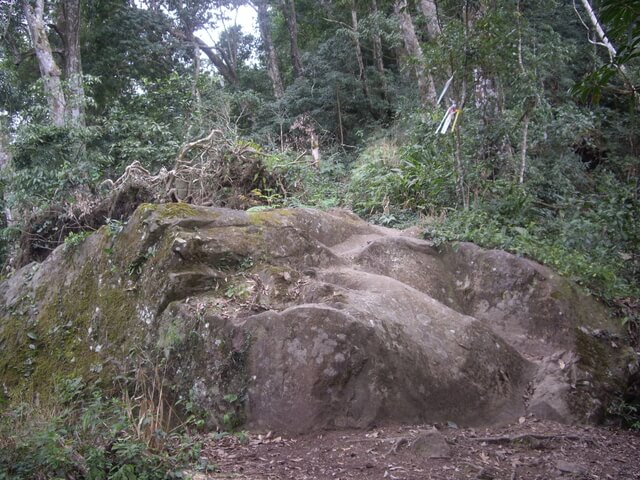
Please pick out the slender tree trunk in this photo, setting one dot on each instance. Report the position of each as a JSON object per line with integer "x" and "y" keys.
{"x": 315, "y": 148}
{"x": 5, "y": 153}
{"x": 523, "y": 148}
{"x": 229, "y": 53}
{"x": 379, "y": 60}
{"x": 519, "y": 16}
{"x": 289, "y": 12}
{"x": 193, "y": 116}
{"x": 339, "y": 107}
{"x": 461, "y": 180}
{"x": 430, "y": 12}
{"x": 598, "y": 28}
{"x": 426, "y": 84}
{"x": 485, "y": 95}
{"x": 49, "y": 71}
{"x": 461, "y": 188}
{"x": 362, "y": 74}
{"x": 613, "y": 53}
{"x": 377, "y": 43}
{"x": 269, "y": 49}
{"x": 526, "y": 117}
{"x": 196, "y": 77}
{"x": 5, "y": 158}
{"x": 356, "y": 41}
{"x": 69, "y": 26}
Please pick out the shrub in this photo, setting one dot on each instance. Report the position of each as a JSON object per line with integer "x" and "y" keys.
{"x": 82, "y": 434}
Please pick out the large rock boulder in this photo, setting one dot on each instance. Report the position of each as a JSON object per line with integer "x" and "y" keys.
{"x": 299, "y": 319}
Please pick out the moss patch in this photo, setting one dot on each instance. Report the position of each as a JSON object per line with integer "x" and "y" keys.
{"x": 72, "y": 331}
{"x": 169, "y": 210}
{"x": 270, "y": 217}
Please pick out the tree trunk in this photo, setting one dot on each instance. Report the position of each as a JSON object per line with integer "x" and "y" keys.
{"x": 379, "y": 61}
{"x": 5, "y": 153}
{"x": 377, "y": 43}
{"x": 49, "y": 71}
{"x": 5, "y": 158}
{"x": 193, "y": 116}
{"x": 227, "y": 71}
{"x": 289, "y": 12}
{"x": 69, "y": 26}
{"x": 269, "y": 50}
{"x": 611, "y": 49}
{"x": 519, "y": 23}
{"x": 430, "y": 12}
{"x": 523, "y": 148}
{"x": 426, "y": 85}
{"x": 362, "y": 74}
{"x": 596, "y": 25}
{"x": 339, "y": 107}
{"x": 315, "y": 148}
{"x": 485, "y": 95}
{"x": 461, "y": 188}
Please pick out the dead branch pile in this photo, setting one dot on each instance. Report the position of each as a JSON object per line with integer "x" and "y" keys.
{"x": 212, "y": 171}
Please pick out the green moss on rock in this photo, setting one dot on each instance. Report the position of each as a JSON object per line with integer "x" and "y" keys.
{"x": 270, "y": 217}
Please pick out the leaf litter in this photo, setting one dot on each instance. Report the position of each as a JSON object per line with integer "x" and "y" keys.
{"x": 531, "y": 450}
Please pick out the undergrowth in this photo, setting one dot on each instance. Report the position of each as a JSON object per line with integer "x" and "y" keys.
{"x": 86, "y": 433}
{"x": 598, "y": 268}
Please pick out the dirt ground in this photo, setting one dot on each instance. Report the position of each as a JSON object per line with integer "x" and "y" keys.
{"x": 529, "y": 449}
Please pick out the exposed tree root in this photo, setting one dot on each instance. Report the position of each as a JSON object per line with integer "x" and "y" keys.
{"x": 211, "y": 171}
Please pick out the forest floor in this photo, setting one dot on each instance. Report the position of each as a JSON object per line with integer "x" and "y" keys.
{"x": 529, "y": 449}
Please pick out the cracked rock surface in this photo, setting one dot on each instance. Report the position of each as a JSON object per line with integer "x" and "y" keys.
{"x": 299, "y": 320}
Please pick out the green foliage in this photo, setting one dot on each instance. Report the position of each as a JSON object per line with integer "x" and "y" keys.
{"x": 236, "y": 291}
{"x": 128, "y": 45}
{"x": 8, "y": 237}
{"x": 114, "y": 227}
{"x": 620, "y": 19}
{"x": 49, "y": 163}
{"x": 418, "y": 177}
{"x": 588, "y": 241}
{"x": 373, "y": 184}
{"x": 627, "y": 413}
{"x": 232, "y": 419}
{"x": 85, "y": 434}
{"x": 308, "y": 185}
{"x": 75, "y": 238}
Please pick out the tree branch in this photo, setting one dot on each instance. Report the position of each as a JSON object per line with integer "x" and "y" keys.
{"x": 227, "y": 71}
{"x": 610, "y": 48}
{"x": 596, "y": 25}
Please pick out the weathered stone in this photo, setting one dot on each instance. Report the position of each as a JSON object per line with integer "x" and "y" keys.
{"x": 571, "y": 468}
{"x": 430, "y": 444}
{"x": 299, "y": 319}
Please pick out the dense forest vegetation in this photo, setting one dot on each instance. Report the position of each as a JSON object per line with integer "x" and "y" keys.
{"x": 507, "y": 123}
{"x": 511, "y": 124}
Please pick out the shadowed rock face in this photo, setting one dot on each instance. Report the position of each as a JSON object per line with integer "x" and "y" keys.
{"x": 298, "y": 319}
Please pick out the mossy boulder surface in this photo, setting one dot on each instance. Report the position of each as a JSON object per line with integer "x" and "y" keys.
{"x": 299, "y": 319}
